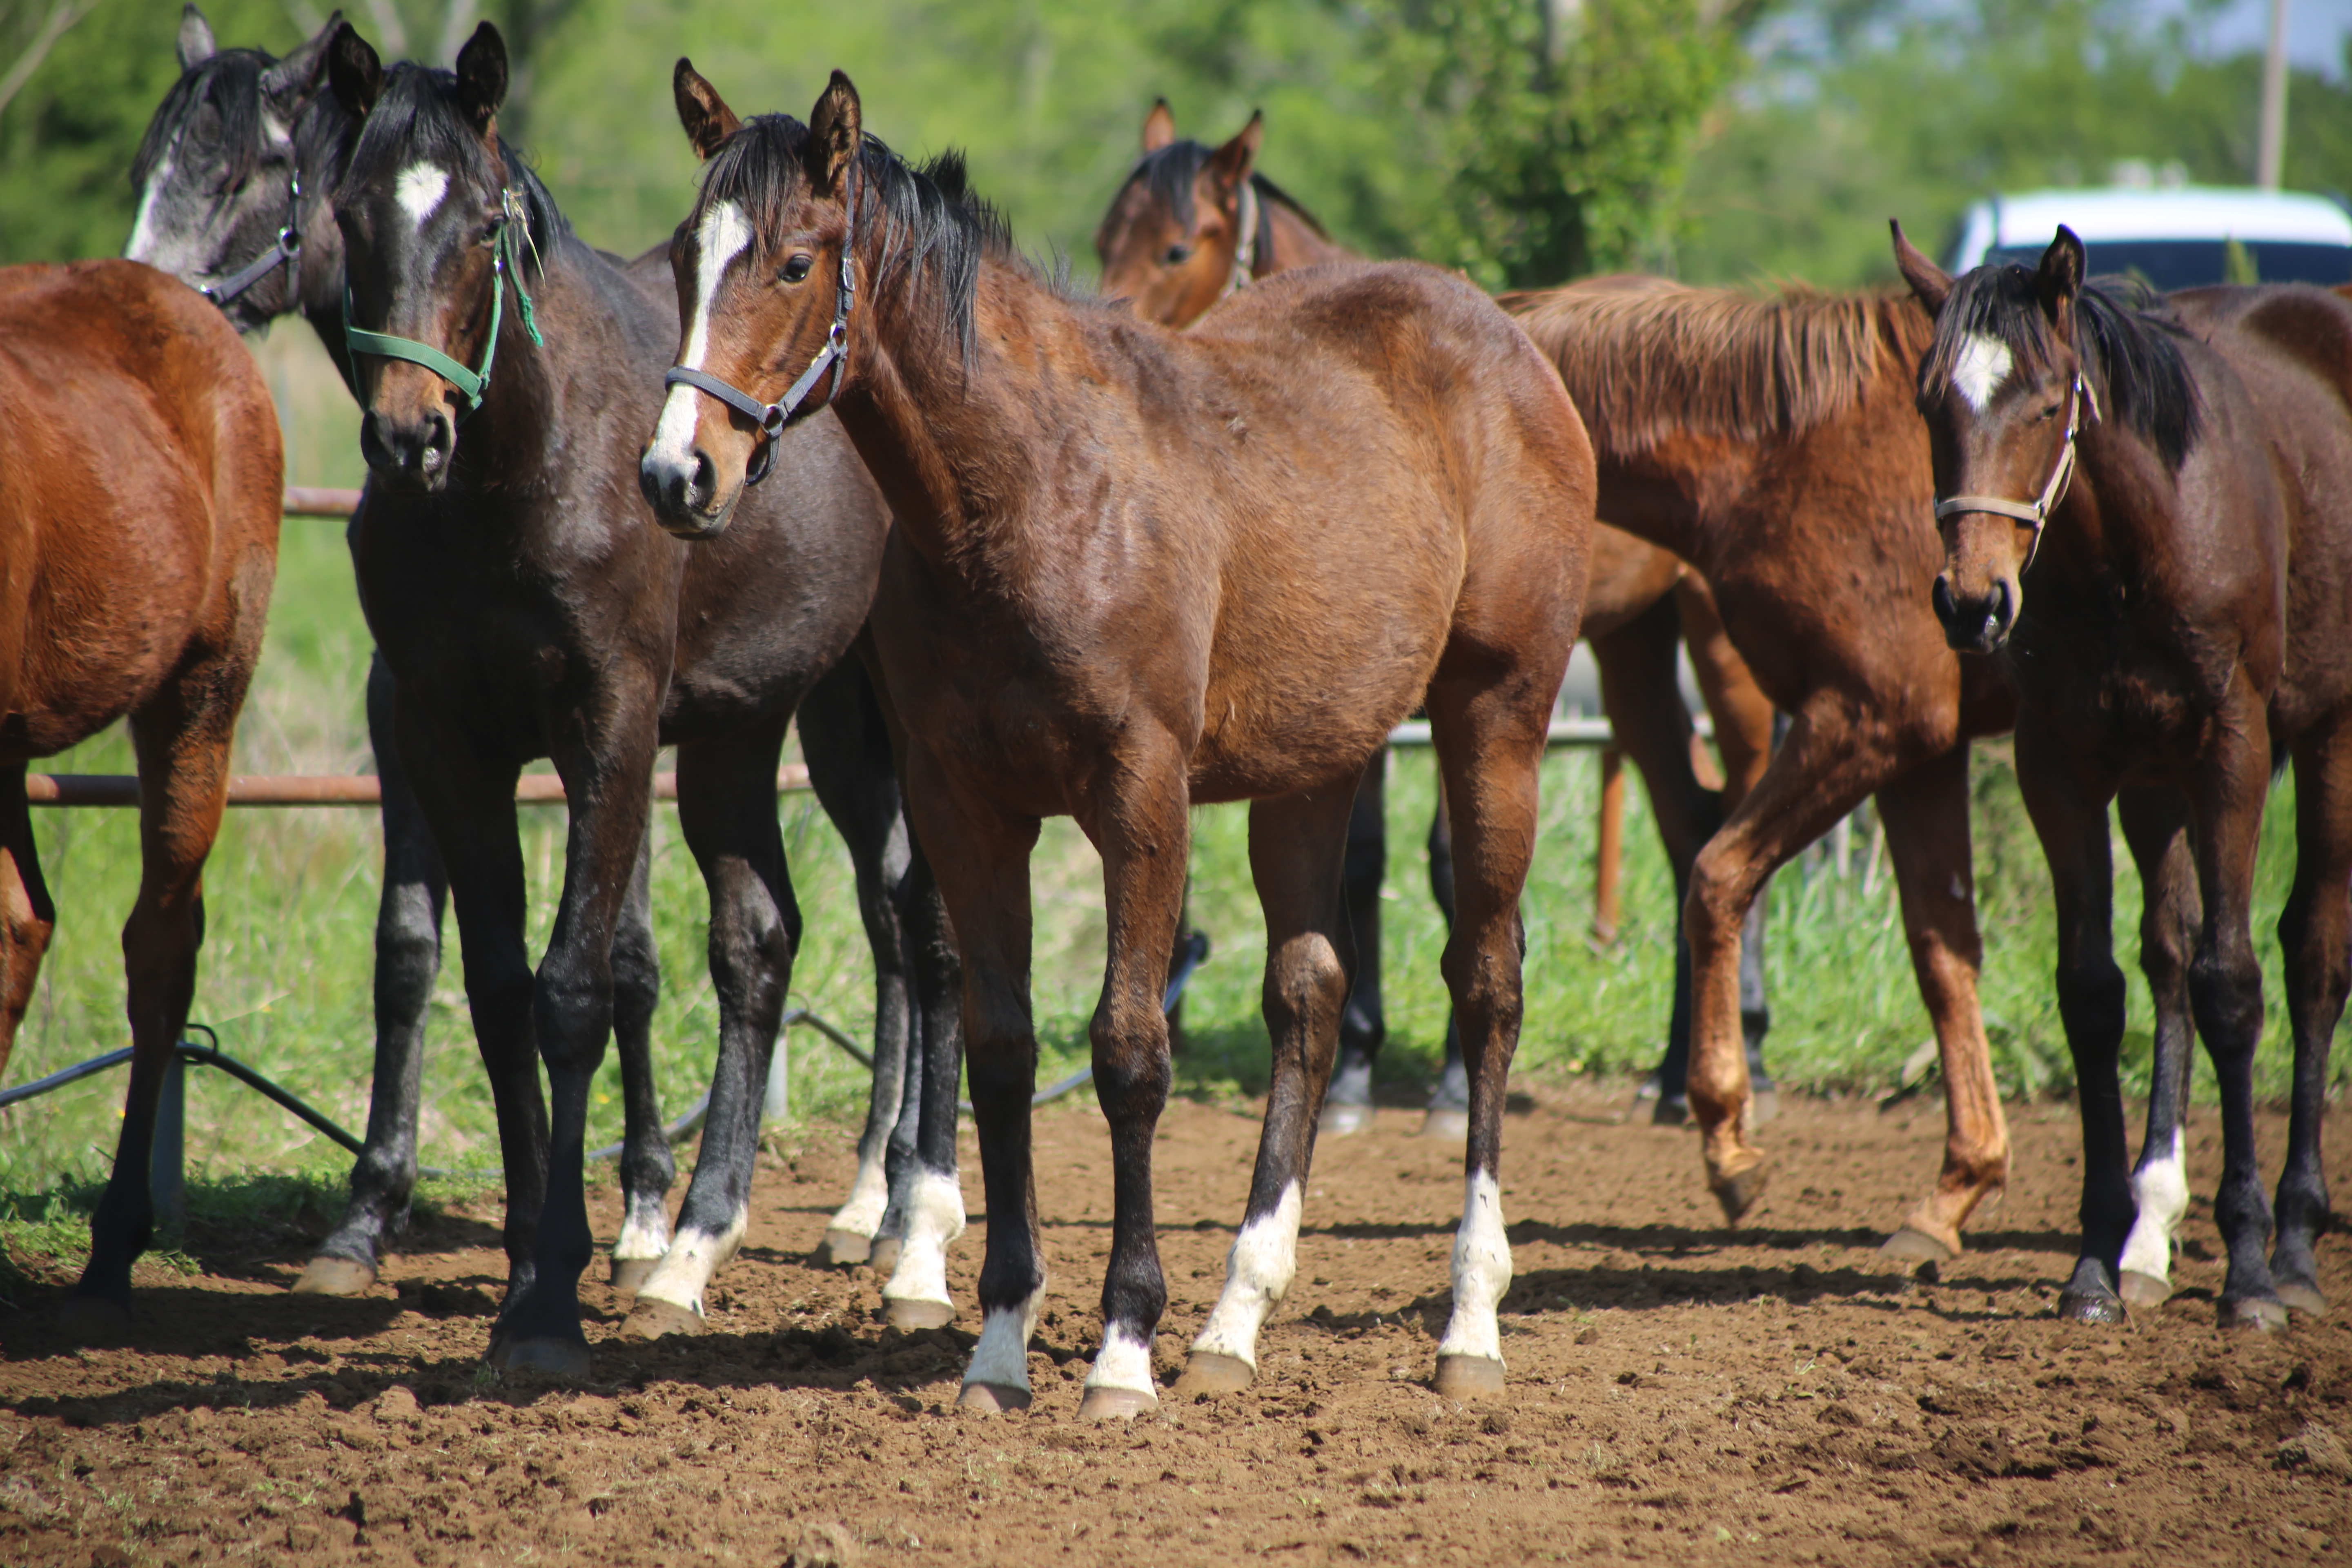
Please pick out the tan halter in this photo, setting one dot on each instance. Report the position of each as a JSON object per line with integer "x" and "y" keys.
{"x": 2036, "y": 512}
{"x": 1245, "y": 243}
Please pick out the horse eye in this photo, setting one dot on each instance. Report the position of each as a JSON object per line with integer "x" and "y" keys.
{"x": 797, "y": 267}
{"x": 1177, "y": 255}
{"x": 2048, "y": 414}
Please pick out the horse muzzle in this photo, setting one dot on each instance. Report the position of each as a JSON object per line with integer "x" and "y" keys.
{"x": 411, "y": 453}
{"x": 1978, "y": 623}
{"x": 684, "y": 493}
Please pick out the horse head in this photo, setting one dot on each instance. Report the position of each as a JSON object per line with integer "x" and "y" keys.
{"x": 1177, "y": 236}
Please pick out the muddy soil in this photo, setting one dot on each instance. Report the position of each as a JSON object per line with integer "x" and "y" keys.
{"x": 1676, "y": 1390}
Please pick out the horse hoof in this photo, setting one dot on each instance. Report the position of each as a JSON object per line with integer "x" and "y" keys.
{"x": 1339, "y": 1120}
{"x": 95, "y": 1320}
{"x": 2143, "y": 1292}
{"x": 910, "y": 1313}
{"x": 1468, "y": 1377}
{"x": 2099, "y": 1307}
{"x": 1116, "y": 1404}
{"x": 1208, "y": 1371}
{"x": 1737, "y": 1192}
{"x": 1763, "y": 1105}
{"x": 842, "y": 1249}
{"x": 993, "y": 1397}
{"x": 566, "y": 1359}
{"x": 651, "y": 1318}
{"x": 328, "y": 1275}
{"x": 2259, "y": 1314}
{"x": 1672, "y": 1110}
{"x": 1916, "y": 1245}
{"x": 1445, "y": 1124}
{"x": 884, "y": 1255}
{"x": 630, "y": 1274}
{"x": 2302, "y": 1296}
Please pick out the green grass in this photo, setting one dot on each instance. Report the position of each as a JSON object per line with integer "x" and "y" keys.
{"x": 291, "y": 895}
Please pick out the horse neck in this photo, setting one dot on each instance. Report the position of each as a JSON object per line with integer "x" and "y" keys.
{"x": 1294, "y": 241}
{"x": 510, "y": 432}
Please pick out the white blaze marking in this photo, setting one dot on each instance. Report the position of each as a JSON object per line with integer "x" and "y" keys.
{"x": 143, "y": 238}
{"x": 1982, "y": 366}
{"x": 868, "y": 1195}
{"x": 1258, "y": 1272}
{"x": 419, "y": 191}
{"x": 1482, "y": 1272}
{"x": 1124, "y": 1362}
{"x": 1002, "y": 1356}
{"x": 721, "y": 238}
{"x": 2161, "y": 1187}
{"x": 685, "y": 1270}
{"x": 645, "y": 1231}
{"x": 934, "y": 1219}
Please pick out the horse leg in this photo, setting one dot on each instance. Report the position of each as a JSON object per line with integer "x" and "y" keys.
{"x": 2225, "y": 992}
{"x": 181, "y": 740}
{"x": 407, "y": 961}
{"x": 647, "y": 1166}
{"x": 2155, "y": 827}
{"x": 855, "y": 778}
{"x": 916, "y": 1295}
{"x": 1448, "y": 1116}
{"x": 1926, "y": 816}
{"x": 727, "y": 808}
{"x": 27, "y": 917}
{"x": 1348, "y": 1108}
{"x": 2070, "y": 817}
{"x": 2311, "y": 931}
{"x": 1297, "y": 844}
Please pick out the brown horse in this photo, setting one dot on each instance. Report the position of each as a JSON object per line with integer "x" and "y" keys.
{"x": 139, "y": 487}
{"x": 1111, "y": 593}
{"x": 1772, "y": 443}
{"x": 2176, "y": 480}
{"x": 1188, "y": 227}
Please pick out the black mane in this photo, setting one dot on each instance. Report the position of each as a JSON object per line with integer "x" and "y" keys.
{"x": 1170, "y": 173}
{"x": 417, "y": 116}
{"x": 933, "y": 224}
{"x": 230, "y": 80}
{"x": 2130, "y": 350}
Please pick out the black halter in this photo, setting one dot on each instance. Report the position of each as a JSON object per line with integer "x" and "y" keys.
{"x": 771, "y": 417}
{"x": 285, "y": 251}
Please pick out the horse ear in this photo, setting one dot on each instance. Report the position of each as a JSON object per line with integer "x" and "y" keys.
{"x": 482, "y": 79}
{"x": 196, "y": 44}
{"x": 708, "y": 120}
{"x": 835, "y": 133}
{"x": 297, "y": 74}
{"x": 1237, "y": 158}
{"x": 1158, "y": 126}
{"x": 1928, "y": 280}
{"x": 2060, "y": 275}
{"x": 354, "y": 71}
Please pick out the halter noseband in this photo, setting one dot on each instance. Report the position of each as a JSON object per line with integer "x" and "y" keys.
{"x": 474, "y": 383}
{"x": 2037, "y": 511}
{"x": 284, "y": 251}
{"x": 771, "y": 417}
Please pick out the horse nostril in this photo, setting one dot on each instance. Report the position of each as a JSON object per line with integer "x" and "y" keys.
{"x": 1941, "y": 595}
{"x": 2004, "y": 605}
{"x": 706, "y": 479}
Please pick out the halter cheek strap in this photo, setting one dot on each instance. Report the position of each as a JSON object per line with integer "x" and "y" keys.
{"x": 284, "y": 251}
{"x": 771, "y": 417}
{"x": 1245, "y": 249}
{"x": 2036, "y": 512}
{"x": 506, "y": 263}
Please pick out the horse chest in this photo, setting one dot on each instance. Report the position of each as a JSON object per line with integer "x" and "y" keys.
{"x": 2135, "y": 693}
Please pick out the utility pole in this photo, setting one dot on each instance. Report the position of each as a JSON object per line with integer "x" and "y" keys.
{"x": 2271, "y": 150}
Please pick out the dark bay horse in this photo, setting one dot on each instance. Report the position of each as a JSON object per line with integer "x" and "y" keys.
{"x": 140, "y": 487}
{"x": 2147, "y": 519}
{"x": 1772, "y": 443}
{"x": 236, "y": 178}
{"x": 527, "y": 605}
{"x": 1192, "y": 224}
{"x": 1110, "y": 593}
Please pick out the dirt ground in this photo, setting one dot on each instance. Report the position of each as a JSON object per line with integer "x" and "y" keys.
{"x": 1676, "y": 1390}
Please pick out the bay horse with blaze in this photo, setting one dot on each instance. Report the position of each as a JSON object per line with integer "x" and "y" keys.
{"x": 1115, "y": 590}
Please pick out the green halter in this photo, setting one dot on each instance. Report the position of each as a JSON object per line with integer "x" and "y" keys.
{"x": 505, "y": 261}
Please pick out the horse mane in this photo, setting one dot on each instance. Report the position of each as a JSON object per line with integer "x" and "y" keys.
{"x": 230, "y": 80}
{"x": 416, "y": 115}
{"x": 1170, "y": 171}
{"x": 1645, "y": 357}
{"x": 2129, "y": 348}
{"x": 933, "y": 223}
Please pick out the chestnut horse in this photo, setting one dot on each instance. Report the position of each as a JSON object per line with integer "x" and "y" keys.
{"x": 1134, "y": 570}
{"x": 1188, "y": 227}
{"x": 235, "y": 179}
{"x": 139, "y": 488}
{"x": 1772, "y": 443}
{"x": 2173, "y": 481}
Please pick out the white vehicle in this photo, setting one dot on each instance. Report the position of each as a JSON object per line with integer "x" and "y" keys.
{"x": 2176, "y": 238}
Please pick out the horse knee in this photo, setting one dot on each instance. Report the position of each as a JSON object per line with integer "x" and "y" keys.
{"x": 1306, "y": 988}
{"x": 2091, "y": 1000}
{"x": 1714, "y": 912}
{"x": 2225, "y": 991}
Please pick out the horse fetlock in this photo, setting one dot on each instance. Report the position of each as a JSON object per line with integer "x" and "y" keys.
{"x": 861, "y": 1216}
{"x": 1000, "y": 1361}
{"x": 1122, "y": 1368}
{"x": 685, "y": 1271}
{"x": 1482, "y": 1272}
{"x": 935, "y": 1218}
{"x": 1258, "y": 1272}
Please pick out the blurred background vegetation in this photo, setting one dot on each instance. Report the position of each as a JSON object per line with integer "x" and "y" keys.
{"x": 1525, "y": 141}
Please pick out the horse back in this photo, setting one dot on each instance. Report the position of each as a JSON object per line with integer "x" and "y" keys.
{"x": 140, "y": 495}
